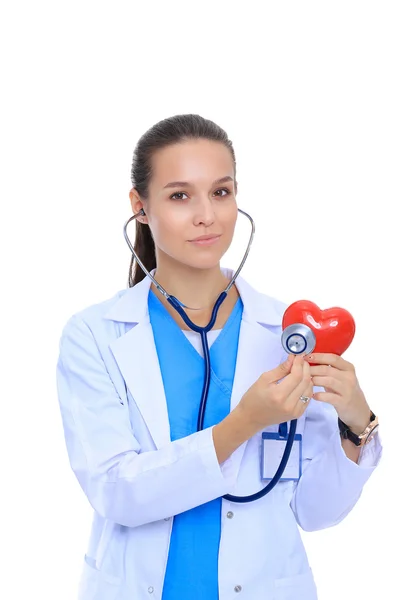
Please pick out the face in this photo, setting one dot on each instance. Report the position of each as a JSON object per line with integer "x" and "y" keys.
{"x": 199, "y": 205}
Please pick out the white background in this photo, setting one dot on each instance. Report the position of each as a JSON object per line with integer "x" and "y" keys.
{"x": 309, "y": 94}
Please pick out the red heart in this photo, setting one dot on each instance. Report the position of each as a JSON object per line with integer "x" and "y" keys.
{"x": 334, "y": 328}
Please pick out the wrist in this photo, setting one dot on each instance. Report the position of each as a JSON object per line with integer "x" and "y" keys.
{"x": 362, "y": 438}
{"x": 357, "y": 423}
{"x": 248, "y": 425}
{"x": 229, "y": 434}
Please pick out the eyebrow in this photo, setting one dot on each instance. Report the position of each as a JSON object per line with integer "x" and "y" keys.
{"x": 188, "y": 184}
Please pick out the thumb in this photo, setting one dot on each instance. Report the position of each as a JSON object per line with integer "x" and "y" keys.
{"x": 281, "y": 370}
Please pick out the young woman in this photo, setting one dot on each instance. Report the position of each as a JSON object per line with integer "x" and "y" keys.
{"x": 130, "y": 378}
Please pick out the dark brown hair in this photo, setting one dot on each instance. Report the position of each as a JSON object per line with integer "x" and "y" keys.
{"x": 172, "y": 130}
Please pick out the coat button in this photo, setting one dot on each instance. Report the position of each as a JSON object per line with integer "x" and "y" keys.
{"x": 229, "y": 515}
{"x": 238, "y": 588}
{"x": 150, "y": 590}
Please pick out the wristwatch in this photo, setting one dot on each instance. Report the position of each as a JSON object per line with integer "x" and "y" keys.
{"x": 365, "y": 437}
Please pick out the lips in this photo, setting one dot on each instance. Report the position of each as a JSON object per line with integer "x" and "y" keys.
{"x": 204, "y": 238}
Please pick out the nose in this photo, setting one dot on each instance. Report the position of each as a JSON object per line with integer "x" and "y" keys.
{"x": 204, "y": 212}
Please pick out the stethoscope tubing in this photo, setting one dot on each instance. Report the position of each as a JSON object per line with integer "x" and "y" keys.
{"x": 200, "y": 422}
{"x": 206, "y": 351}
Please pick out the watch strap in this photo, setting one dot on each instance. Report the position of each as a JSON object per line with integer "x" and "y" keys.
{"x": 347, "y": 434}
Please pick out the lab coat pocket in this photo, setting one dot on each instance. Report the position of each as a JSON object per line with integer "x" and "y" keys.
{"x": 299, "y": 587}
{"x": 96, "y": 585}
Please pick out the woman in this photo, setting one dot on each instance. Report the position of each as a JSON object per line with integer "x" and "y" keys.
{"x": 130, "y": 376}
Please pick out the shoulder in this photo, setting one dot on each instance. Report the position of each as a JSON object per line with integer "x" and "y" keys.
{"x": 261, "y": 307}
{"x": 91, "y": 318}
{"x": 99, "y": 309}
{"x": 275, "y": 304}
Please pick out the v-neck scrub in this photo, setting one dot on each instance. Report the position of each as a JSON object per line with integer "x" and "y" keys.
{"x": 192, "y": 566}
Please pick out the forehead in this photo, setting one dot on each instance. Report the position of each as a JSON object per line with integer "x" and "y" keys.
{"x": 196, "y": 161}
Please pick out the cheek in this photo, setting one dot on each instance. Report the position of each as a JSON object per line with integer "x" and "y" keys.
{"x": 166, "y": 230}
{"x": 230, "y": 224}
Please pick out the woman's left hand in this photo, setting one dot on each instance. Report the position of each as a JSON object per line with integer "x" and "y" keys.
{"x": 343, "y": 391}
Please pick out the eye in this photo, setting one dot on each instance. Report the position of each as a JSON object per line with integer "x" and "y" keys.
{"x": 176, "y": 194}
{"x": 219, "y": 190}
{"x": 224, "y": 190}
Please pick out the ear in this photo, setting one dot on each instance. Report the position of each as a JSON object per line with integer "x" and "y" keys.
{"x": 137, "y": 204}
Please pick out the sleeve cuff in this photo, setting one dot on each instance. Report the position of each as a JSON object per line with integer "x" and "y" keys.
{"x": 369, "y": 458}
{"x": 371, "y": 454}
{"x": 223, "y": 474}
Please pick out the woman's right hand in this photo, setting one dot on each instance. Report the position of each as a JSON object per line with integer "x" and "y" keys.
{"x": 268, "y": 402}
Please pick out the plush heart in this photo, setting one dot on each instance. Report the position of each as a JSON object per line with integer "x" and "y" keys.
{"x": 334, "y": 328}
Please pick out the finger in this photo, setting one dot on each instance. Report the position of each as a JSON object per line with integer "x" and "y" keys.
{"x": 302, "y": 388}
{"x": 301, "y": 407}
{"x": 280, "y": 371}
{"x": 327, "y": 371}
{"x": 330, "y": 359}
{"x": 294, "y": 378}
{"x": 328, "y": 398}
{"x": 332, "y": 383}
{"x": 298, "y": 407}
{"x": 308, "y": 392}
{"x": 307, "y": 371}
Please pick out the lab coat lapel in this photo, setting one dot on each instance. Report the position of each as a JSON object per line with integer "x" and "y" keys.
{"x": 137, "y": 359}
{"x": 136, "y": 355}
{"x": 258, "y": 352}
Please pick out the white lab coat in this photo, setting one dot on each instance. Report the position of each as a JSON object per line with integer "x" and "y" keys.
{"x": 136, "y": 480}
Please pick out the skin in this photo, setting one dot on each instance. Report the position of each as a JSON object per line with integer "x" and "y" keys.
{"x": 182, "y": 213}
{"x": 176, "y": 215}
{"x": 342, "y": 389}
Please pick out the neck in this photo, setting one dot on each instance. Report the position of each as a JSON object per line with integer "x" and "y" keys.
{"x": 196, "y": 288}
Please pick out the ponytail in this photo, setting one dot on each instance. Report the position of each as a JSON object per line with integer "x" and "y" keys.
{"x": 145, "y": 249}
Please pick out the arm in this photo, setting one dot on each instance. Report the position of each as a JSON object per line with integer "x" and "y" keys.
{"x": 122, "y": 483}
{"x": 231, "y": 433}
{"x": 351, "y": 450}
{"x": 331, "y": 482}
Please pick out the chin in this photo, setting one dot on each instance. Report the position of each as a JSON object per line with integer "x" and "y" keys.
{"x": 205, "y": 263}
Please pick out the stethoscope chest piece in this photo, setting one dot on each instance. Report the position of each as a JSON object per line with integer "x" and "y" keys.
{"x": 298, "y": 339}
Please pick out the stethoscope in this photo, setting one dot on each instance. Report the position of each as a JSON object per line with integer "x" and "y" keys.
{"x": 293, "y": 341}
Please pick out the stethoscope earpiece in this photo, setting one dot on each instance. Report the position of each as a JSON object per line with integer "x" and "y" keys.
{"x": 298, "y": 339}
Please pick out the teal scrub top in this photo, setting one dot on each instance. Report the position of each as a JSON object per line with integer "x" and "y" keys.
{"x": 192, "y": 566}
